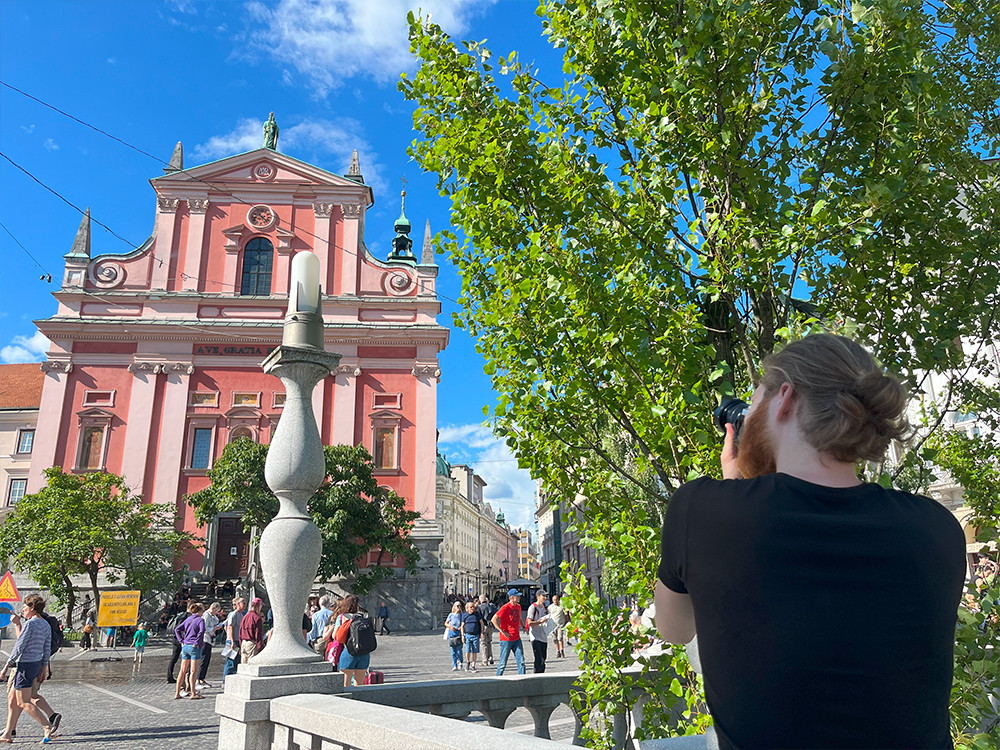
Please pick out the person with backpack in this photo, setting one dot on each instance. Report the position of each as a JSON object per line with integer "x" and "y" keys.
{"x": 191, "y": 634}
{"x": 172, "y": 626}
{"x": 487, "y": 609}
{"x": 360, "y": 639}
{"x": 30, "y": 657}
{"x": 87, "y": 639}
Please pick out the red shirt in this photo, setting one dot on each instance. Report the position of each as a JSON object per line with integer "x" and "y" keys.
{"x": 509, "y": 617}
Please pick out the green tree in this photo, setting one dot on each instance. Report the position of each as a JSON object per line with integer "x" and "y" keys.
{"x": 90, "y": 524}
{"x": 635, "y": 235}
{"x": 354, "y": 513}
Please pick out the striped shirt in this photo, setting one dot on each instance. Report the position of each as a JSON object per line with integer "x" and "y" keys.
{"x": 33, "y": 644}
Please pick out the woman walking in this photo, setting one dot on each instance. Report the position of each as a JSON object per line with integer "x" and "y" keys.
{"x": 353, "y": 667}
{"x": 86, "y": 641}
{"x": 30, "y": 657}
{"x": 453, "y": 634}
{"x": 191, "y": 635}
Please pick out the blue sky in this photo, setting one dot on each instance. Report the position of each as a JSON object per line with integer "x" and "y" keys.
{"x": 207, "y": 72}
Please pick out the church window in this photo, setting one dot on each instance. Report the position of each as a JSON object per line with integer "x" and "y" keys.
{"x": 385, "y": 448}
{"x": 99, "y": 398}
{"x": 240, "y": 432}
{"x": 201, "y": 448}
{"x": 258, "y": 258}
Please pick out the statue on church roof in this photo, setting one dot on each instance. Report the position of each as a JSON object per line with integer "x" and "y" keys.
{"x": 271, "y": 133}
{"x": 443, "y": 467}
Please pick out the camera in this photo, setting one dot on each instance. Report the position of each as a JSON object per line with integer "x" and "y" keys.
{"x": 731, "y": 411}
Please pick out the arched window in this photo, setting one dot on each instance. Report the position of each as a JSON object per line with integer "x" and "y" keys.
{"x": 257, "y": 262}
{"x": 240, "y": 432}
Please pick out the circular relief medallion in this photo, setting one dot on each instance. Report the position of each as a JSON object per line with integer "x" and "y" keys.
{"x": 397, "y": 283}
{"x": 263, "y": 171}
{"x": 107, "y": 274}
{"x": 261, "y": 217}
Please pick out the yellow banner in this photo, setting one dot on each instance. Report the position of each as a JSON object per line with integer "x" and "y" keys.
{"x": 118, "y": 609}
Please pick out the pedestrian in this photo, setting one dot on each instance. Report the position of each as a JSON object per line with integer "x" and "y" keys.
{"x": 507, "y": 621}
{"x": 319, "y": 621}
{"x": 537, "y": 617}
{"x": 30, "y": 658}
{"x": 779, "y": 566}
{"x": 487, "y": 609}
{"x": 383, "y": 619}
{"x": 175, "y": 656}
{"x": 559, "y": 618}
{"x": 354, "y": 667}
{"x": 212, "y": 626}
{"x": 453, "y": 634}
{"x": 87, "y": 639}
{"x": 252, "y": 631}
{"x": 231, "y": 652}
{"x": 472, "y": 631}
{"x": 139, "y": 643}
{"x": 191, "y": 635}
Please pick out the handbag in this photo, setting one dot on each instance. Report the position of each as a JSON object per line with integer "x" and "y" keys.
{"x": 333, "y": 652}
{"x": 88, "y": 628}
{"x": 455, "y": 641}
{"x": 343, "y": 631}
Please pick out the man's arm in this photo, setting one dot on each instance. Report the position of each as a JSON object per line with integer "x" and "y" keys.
{"x": 674, "y": 615}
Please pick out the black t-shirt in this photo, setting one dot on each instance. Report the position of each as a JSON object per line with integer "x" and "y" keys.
{"x": 472, "y": 622}
{"x": 825, "y": 616}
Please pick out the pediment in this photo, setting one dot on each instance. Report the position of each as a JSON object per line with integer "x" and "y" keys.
{"x": 246, "y": 169}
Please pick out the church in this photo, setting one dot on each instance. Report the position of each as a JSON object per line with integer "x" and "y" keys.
{"x": 155, "y": 354}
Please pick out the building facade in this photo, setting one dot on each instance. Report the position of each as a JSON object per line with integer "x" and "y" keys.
{"x": 478, "y": 544}
{"x": 20, "y": 396}
{"x": 155, "y": 358}
{"x": 527, "y": 556}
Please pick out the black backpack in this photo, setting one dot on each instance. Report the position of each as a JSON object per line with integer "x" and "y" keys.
{"x": 176, "y": 620}
{"x": 58, "y": 641}
{"x": 361, "y": 639}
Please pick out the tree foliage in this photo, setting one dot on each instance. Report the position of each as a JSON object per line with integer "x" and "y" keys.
{"x": 354, "y": 513}
{"x": 705, "y": 180}
{"x": 87, "y": 525}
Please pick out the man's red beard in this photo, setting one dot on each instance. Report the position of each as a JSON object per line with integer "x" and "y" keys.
{"x": 754, "y": 451}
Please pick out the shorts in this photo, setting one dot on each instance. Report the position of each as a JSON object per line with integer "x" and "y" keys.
{"x": 141, "y": 649}
{"x": 27, "y": 675}
{"x": 12, "y": 675}
{"x": 361, "y": 661}
{"x": 472, "y": 643}
{"x": 558, "y": 634}
{"x": 190, "y": 652}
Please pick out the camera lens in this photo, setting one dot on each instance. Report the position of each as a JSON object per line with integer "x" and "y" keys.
{"x": 731, "y": 411}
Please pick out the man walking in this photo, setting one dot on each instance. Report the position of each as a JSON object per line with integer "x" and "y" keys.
{"x": 507, "y": 621}
{"x": 211, "y": 618}
{"x": 233, "y": 637}
{"x": 537, "y": 616}
{"x": 487, "y": 609}
{"x": 784, "y": 563}
{"x": 320, "y": 619}
{"x": 252, "y": 631}
{"x": 383, "y": 619}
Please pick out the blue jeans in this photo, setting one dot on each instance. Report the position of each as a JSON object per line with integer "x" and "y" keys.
{"x": 230, "y": 666}
{"x": 505, "y": 648}
{"x": 456, "y": 655}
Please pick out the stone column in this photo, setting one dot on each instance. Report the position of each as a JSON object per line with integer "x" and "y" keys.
{"x": 170, "y": 453}
{"x": 140, "y": 418}
{"x": 322, "y": 211}
{"x": 195, "y": 240}
{"x": 43, "y": 452}
{"x": 163, "y": 245}
{"x": 350, "y": 241}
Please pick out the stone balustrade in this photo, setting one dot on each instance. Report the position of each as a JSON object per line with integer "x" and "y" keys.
{"x": 420, "y": 716}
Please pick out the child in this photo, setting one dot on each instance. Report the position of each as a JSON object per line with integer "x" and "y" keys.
{"x": 139, "y": 642}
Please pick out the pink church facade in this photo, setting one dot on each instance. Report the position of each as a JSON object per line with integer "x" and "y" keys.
{"x": 155, "y": 359}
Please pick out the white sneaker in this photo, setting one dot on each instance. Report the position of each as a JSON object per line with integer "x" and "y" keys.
{"x": 201, "y": 684}
{"x": 455, "y": 668}
{"x": 185, "y": 693}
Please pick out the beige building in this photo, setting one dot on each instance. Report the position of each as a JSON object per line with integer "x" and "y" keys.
{"x": 20, "y": 396}
{"x": 527, "y": 556}
{"x": 478, "y": 546}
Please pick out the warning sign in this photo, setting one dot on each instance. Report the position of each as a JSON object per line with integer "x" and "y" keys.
{"x": 8, "y": 591}
{"x": 118, "y": 609}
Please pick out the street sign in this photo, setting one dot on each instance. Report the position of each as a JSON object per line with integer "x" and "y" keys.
{"x": 118, "y": 609}
{"x": 8, "y": 591}
{"x": 5, "y": 613}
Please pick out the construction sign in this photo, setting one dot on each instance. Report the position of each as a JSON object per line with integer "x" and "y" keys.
{"x": 8, "y": 591}
{"x": 118, "y": 609}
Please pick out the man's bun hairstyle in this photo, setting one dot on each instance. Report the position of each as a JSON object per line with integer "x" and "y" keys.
{"x": 848, "y": 406}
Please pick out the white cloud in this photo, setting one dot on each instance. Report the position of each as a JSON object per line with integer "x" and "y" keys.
{"x": 50, "y": 145}
{"x": 29, "y": 129}
{"x": 507, "y": 486}
{"x": 313, "y": 140}
{"x": 330, "y": 41}
{"x": 25, "y": 349}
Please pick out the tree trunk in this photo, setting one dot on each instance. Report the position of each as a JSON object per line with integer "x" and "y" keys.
{"x": 92, "y": 572}
{"x": 70, "y": 600}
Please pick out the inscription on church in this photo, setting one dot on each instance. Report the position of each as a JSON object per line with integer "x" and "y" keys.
{"x": 231, "y": 350}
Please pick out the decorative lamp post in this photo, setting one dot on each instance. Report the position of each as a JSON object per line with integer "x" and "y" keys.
{"x": 291, "y": 545}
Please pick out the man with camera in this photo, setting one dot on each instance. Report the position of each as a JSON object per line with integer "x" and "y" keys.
{"x": 784, "y": 568}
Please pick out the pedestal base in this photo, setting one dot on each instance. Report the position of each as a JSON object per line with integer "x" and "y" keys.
{"x": 245, "y": 706}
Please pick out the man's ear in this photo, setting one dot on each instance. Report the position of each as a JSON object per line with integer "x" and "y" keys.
{"x": 786, "y": 400}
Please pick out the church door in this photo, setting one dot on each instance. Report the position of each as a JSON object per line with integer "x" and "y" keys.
{"x": 232, "y": 549}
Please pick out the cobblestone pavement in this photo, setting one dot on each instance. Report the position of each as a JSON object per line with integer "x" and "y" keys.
{"x": 116, "y": 704}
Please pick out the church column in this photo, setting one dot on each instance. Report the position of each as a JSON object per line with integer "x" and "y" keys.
{"x": 195, "y": 242}
{"x": 345, "y": 393}
{"x": 140, "y": 418}
{"x": 170, "y": 447}
{"x": 50, "y": 411}
{"x": 322, "y": 212}
{"x": 425, "y": 467}
{"x": 163, "y": 246}
{"x": 350, "y": 247}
